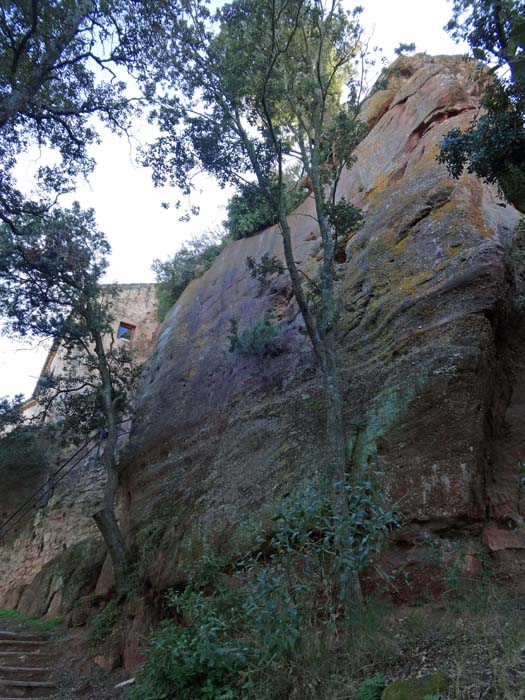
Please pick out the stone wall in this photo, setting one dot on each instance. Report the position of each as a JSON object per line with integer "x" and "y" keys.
{"x": 60, "y": 520}
{"x": 134, "y": 305}
{"x": 64, "y": 518}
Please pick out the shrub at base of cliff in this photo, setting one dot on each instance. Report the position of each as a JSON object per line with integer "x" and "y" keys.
{"x": 281, "y": 619}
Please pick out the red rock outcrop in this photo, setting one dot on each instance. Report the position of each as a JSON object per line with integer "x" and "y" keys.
{"x": 427, "y": 358}
{"x": 432, "y": 364}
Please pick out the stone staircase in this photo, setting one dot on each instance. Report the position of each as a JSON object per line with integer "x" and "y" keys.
{"x": 26, "y": 669}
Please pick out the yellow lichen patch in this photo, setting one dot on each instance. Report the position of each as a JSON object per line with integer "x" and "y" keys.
{"x": 441, "y": 266}
{"x": 475, "y": 218}
{"x": 454, "y": 250}
{"x": 192, "y": 372}
{"x": 401, "y": 246}
{"x": 380, "y": 184}
{"x": 410, "y": 283}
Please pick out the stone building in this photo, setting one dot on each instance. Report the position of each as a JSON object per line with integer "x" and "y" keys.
{"x": 60, "y": 515}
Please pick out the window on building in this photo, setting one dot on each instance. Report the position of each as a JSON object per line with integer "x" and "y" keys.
{"x": 125, "y": 331}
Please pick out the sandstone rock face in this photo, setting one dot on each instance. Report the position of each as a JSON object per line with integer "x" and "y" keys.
{"x": 427, "y": 360}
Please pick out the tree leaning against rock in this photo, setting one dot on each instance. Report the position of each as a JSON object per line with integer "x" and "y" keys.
{"x": 242, "y": 94}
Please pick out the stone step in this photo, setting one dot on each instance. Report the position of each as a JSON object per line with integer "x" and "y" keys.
{"x": 26, "y": 684}
{"x": 26, "y": 673}
{"x": 15, "y": 636}
{"x": 25, "y": 648}
{"x": 22, "y": 658}
{"x": 28, "y": 690}
{"x": 32, "y": 654}
{"x": 27, "y": 669}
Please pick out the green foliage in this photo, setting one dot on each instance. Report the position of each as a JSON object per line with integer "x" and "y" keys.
{"x": 344, "y": 218}
{"x": 405, "y": 48}
{"x": 264, "y": 269}
{"x": 249, "y": 633}
{"x": 260, "y": 339}
{"x": 250, "y": 211}
{"x": 327, "y": 546}
{"x": 371, "y": 688}
{"x": 192, "y": 260}
{"x": 10, "y": 414}
{"x": 494, "y": 146}
{"x": 24, "y": 449}
{"x": 54, "y": 61}
{"x": 103, "y": 623}
{"x": 188, "y": 664}
{"x": 38, "y": 624}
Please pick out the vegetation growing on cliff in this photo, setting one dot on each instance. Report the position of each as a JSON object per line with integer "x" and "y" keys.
{"x": 249, "y": 210}
{"x": 494, "y": 146}
{"x": 192, "y": 260}
{"x": 243, "y": 93}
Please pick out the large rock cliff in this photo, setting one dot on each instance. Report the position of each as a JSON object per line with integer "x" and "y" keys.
{"x": 432, "y": 369}
{"x": 430, "y": 365}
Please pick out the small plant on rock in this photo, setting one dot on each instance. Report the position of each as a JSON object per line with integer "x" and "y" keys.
{"x": 371, "y": 688}
{"x": 260, "y": 339}
{"x": 103, "y": 623}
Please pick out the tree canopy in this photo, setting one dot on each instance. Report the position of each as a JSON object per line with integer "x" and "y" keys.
{"x": 494, "y": 147}
{"x": 56, "y": 74}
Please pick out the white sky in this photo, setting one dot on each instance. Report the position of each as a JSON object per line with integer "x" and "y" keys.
{"x": 128, "y": 207}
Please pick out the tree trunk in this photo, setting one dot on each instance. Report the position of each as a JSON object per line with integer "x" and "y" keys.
{"x": 106, "y": 518}
{"x": 336, "y": 448}
{"x": 106, "y": 522}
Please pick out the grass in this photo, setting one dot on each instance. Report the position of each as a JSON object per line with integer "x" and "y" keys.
{"x": 39, "y": 624}
{"x": 103, "y": 624}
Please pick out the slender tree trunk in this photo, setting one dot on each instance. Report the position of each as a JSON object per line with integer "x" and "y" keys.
{"x": 335, "y": 438}
{"x": 106, "y": 518}
{"x": 106, "y": 521}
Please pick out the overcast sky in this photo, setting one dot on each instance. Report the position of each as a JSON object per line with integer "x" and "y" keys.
{"x": 128, "y": 207}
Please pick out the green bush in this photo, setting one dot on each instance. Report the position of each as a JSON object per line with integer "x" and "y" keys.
{"x": 249, "y": 211}
{"x": 192, "y": 260}
{"x": 260, "y": 339}
{"x": 189, "y": 664}
{"x": 371, "y": 688}
{"x": 259, "y": 630}
{"x": 103, "y": 623}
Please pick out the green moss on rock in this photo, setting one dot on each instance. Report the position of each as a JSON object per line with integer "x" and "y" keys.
{"x": 416, "y": 688}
